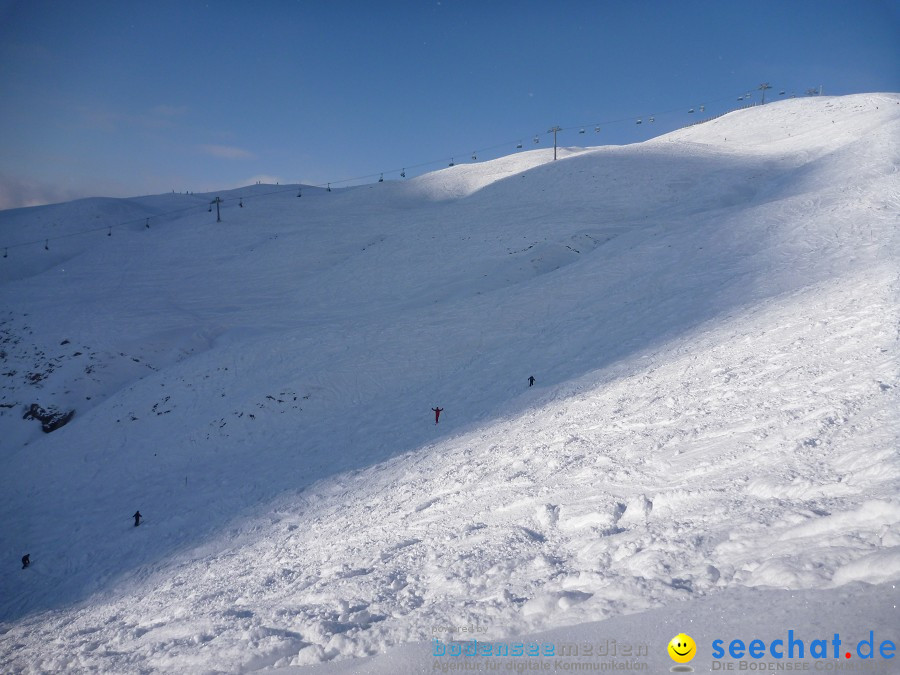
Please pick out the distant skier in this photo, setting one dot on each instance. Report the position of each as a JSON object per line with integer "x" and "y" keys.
{"x": 137, "y": 518}
{"x": 26, "y": 560}
{"x": 531, "y": 381}
{"x": 437, "y": 414}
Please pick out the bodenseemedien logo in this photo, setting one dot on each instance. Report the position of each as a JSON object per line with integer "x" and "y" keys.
{"x": 682, "y": 649}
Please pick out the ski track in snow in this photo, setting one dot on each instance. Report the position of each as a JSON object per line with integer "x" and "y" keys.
{"x": 716, "y": 349}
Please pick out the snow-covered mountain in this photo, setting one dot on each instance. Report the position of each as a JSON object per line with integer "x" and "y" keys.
{"x": 712, "y": 321}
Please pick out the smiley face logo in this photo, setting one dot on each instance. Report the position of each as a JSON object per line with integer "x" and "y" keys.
{"x": 682, "y": 648}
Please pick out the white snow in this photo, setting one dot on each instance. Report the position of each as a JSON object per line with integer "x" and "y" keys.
{"x": 710, "y": 447}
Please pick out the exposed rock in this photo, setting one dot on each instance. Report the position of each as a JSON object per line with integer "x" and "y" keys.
{"x": 50, "y": 419}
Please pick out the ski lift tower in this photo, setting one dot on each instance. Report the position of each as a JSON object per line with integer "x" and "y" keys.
{"x": 554, "y": 130}
{"x": 763, "y": 87}
{"x": 215, "y": 201}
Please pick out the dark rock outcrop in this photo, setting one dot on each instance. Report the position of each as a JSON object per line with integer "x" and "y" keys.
{"x": 50, "y": 419}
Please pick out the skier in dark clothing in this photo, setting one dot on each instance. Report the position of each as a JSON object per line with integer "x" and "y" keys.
{"x": 137, "y": 518}
{"x": 26, "y": 560}
{"x": 531, "y": 381}
{"x": 437, "y": 414}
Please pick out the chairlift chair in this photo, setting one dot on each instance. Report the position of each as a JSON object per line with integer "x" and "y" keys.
{"x": 651, "y": 118}
{"x": 536, "y": 140}
{"x": 638, "y": 120}
{"x": 381, "y": 178}
{"x": 519, "y": 145}
{"x": 582, "y": 130}
{"x": 597, "y": 130}
{"x": 474, "y": 157}
{"x": 691, "y": 110}
{"x": 403, "y": 173}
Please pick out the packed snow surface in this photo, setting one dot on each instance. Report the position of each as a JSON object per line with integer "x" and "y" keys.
{"x": 712, "y": 318}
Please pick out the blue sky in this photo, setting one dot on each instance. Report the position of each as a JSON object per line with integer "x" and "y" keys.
{"x": 127, "y": 98}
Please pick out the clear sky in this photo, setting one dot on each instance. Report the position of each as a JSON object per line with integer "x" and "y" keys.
{"x": 124, "y": 98}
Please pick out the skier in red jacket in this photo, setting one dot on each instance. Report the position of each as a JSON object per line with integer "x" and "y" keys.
{"x": 437, "y": 414}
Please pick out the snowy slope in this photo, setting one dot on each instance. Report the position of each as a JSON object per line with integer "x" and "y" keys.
{"x": 711, "y": 316}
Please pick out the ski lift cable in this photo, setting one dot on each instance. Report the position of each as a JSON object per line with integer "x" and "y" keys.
{"x": 378, "y": 174}
{"x": 631, "y": 119}
{"x": 511, "y": 143}
{"x": 485, "y": 149}
{"x": 108, "y": 228}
